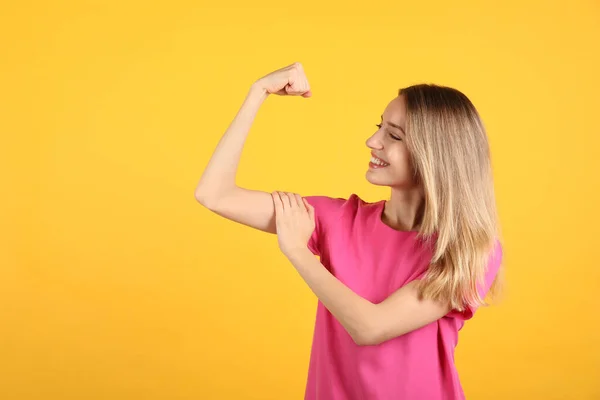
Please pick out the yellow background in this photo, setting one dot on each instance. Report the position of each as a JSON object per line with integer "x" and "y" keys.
{"x": 116, "y": 284}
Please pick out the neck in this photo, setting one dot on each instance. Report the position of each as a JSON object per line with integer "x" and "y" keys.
{"x": 404, "y": 210}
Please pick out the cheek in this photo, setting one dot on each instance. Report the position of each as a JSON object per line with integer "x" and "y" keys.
{"x": 403, "y": 166}
{"x": 401, "y": 160}
{"x": 403, "y": 170}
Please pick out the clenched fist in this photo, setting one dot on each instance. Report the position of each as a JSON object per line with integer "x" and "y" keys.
{"x": 287, "y": 81}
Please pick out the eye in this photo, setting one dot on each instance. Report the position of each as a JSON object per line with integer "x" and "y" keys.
{"x": 392, "y": 136}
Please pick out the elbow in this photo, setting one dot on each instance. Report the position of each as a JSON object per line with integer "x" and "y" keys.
{"x": 211, "y": 197}
{"x": 366, "y": 339}
{"x": 200, "y": 197}
{"x": 375, "y": 334}
{"x": 369, "y": 331}
{"x": 368, "y": 336}
{"x": 362, "y": 340}
{"x": 371, "y": 338}
{"x": 207, "y": 200}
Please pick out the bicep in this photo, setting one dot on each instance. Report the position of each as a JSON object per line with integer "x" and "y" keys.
{"x": 253, "y": 208}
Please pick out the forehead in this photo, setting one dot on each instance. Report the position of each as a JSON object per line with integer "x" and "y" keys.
{"x": 395, "y": 111}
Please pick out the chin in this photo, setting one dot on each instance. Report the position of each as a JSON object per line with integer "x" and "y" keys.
{"x": 381, "y": 181}
{"x": 377, "y": 182}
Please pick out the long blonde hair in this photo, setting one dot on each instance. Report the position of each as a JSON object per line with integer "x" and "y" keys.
{"x": 450, "y": 155}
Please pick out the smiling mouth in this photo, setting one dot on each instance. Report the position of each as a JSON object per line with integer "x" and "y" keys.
{"x": 377, "y": 163}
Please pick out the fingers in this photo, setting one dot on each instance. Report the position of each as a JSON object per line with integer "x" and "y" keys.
{"x": 277, "y": 202}
{"x": 287, "y": 201}
{"x": 298, "y": 200}
{"x": 310, "y": 208}
{"x": 299, "y": 84}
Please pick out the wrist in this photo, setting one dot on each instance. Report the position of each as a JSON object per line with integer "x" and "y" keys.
{"x": 297, "y": 253}
{"x": 258, "y": 89}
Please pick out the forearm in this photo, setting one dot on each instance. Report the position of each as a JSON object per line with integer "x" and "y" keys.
{"x": 219, "y": 175}
{"x": 351, "y": 310}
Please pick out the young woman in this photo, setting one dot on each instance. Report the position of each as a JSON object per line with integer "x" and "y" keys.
{"x": 397, "y": 278}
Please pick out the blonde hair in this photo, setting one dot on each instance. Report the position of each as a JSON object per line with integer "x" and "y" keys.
{"x": 450, "y": 155}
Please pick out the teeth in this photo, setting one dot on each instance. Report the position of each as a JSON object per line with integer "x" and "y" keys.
{"x": 378, "y": 161}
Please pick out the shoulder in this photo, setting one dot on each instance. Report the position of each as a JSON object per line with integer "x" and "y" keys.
{"x": 327, "y": 204}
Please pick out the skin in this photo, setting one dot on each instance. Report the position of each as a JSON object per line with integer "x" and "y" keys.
{"x": 403, "y": 210}
{"x": 366, "y": 322}
{"x": 402, "y": 312}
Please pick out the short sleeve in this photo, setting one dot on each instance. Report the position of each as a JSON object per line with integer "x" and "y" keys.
{"x": 494, "y": 262}
{"x": 326, "y": 209}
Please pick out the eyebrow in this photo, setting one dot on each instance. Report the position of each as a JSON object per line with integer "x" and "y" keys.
{"x": 394, "y": 125}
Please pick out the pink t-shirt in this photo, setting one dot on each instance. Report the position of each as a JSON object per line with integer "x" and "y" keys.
{"x": 374, "y": 260}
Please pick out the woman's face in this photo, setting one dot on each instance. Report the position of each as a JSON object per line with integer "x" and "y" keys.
{"x": 388, "y": 144}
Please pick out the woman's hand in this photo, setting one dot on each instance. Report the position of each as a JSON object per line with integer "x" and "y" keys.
{"x": 295, "y": 221}
{"x": 287, "y": 81}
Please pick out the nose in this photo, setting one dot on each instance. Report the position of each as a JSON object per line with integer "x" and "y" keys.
{"x": 374, "y": 141}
